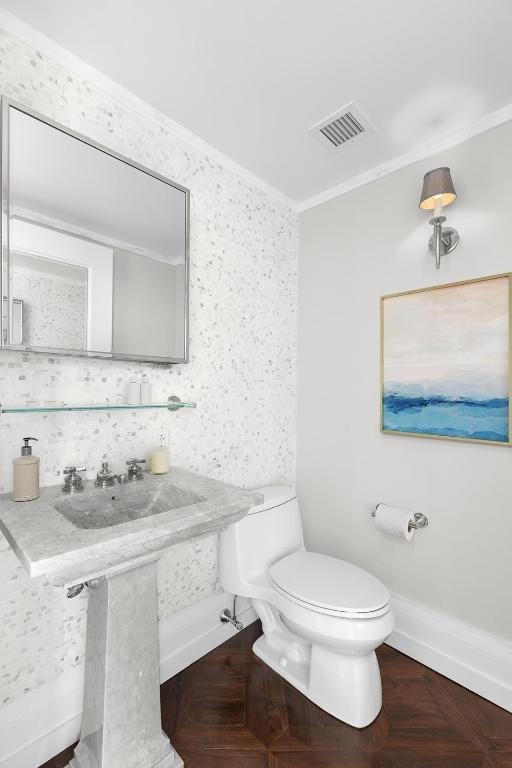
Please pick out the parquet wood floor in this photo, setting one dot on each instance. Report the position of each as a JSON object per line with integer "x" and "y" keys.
{"x": 229, "y": 710}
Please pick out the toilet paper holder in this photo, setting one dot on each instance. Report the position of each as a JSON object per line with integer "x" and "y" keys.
{"x": 420, "y": 520}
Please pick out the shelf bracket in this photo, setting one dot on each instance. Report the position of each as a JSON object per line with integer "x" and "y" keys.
{"x": 175, "y": 403}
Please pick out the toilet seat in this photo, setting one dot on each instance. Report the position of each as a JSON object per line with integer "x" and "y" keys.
{"x": 328, "y": 585}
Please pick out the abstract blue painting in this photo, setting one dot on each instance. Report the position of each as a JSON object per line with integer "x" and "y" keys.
{"x": 445, "y": 361}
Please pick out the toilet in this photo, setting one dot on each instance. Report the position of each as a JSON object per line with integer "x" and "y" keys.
{"x": 322, "y": 617}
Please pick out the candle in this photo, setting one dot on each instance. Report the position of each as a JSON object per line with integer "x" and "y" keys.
{"x": 159, "y": 462}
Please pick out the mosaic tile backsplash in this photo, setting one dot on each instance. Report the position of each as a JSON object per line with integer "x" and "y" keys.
{"x": 242, "y": 373}
{"x": 42, "y": 326}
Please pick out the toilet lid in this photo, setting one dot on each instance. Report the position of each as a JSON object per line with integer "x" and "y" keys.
{"x": 328, "y": 583}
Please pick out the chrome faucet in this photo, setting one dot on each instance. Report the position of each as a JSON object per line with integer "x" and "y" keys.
{"x": 105, "y": 478}
{"x": 135, "y": 471}
{"x": 73, "y": 483}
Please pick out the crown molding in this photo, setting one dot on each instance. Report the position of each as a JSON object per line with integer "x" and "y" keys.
{"x": 482, "y": 125}
{"x": 50, "y": 222}
{"x": 15, "y": 26}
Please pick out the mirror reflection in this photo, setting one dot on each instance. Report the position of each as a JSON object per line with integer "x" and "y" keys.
{"x": 97, "y": 249}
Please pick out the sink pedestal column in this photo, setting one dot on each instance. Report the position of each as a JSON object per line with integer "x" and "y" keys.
{"x": 121, "y": 721}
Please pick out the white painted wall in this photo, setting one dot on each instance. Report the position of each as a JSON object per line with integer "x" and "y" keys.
{"x": 354, "y": 249}
{"x": 147, "y": 307}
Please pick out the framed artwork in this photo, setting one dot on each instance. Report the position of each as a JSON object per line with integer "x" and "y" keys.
{"x": 445, "y": 361}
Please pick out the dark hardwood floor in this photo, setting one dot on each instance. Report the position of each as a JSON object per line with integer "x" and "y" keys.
{"x": 228, "y": 710}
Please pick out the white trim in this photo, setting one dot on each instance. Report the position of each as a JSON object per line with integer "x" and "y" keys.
{"x": 482, "y": 125}
{"x": 48, "y": 47}
{"x": 54, "y": 710}
{"x": 42, "y": 220}
{"x": 474, "y": 659}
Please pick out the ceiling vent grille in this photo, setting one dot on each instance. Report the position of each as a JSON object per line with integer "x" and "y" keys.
{"x": 341, "y": 127}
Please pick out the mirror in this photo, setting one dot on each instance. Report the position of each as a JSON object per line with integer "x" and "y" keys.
{"x": 95, "y": 247}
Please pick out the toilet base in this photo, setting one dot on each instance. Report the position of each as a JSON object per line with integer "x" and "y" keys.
{"x": 347, "y": 687}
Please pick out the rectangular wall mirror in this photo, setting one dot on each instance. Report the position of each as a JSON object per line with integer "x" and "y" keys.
{"x": 94, "y": 247}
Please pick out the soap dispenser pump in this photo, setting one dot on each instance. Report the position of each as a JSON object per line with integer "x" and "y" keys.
{"x": 25, "y": 474}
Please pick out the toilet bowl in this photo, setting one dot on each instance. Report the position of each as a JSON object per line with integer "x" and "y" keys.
{"x": 322, "y": 617}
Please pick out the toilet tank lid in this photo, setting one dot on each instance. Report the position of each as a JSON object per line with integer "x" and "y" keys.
{"x": 274, "y": 496}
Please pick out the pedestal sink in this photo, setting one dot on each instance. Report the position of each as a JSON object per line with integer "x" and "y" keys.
{"x": 121, "y": 723}
{"x": 111, "y": 540}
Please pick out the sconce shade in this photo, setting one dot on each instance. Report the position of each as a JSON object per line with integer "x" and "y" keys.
{"x": 437, "y": 183}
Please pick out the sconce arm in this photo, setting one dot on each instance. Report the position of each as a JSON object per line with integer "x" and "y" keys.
{"x": 444, "y": 240}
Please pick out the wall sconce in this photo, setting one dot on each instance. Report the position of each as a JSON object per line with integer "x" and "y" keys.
{"x": 437, "y": 191}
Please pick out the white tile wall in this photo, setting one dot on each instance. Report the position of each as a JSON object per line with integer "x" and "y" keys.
{"x": 40, "y": 294}
{"x": 242, "y": 372}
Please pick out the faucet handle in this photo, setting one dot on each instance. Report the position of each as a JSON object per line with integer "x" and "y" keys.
{"x": 73, "y": 470}
{"x": 135, "y": 471}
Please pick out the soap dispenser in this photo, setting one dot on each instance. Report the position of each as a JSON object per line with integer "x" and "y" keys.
{"x": 25, "y": 474}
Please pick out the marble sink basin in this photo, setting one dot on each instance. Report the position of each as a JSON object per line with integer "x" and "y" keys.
{"x": 121, "y": 504}
{"x": 72, "y": 539}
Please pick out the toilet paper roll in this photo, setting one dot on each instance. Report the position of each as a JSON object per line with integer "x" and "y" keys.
{"x": 393, "y": 521}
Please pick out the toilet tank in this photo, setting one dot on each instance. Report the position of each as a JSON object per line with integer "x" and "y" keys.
{"x": 269, "y": 531}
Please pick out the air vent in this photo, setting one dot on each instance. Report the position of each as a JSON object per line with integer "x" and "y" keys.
{"x": 341, "y": 127}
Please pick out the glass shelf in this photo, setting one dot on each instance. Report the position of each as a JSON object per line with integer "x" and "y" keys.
{"x": 172, "y": 404}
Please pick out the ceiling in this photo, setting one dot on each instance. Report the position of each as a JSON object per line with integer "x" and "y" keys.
{"x": 57, "y": 180}
{"x": 250, "y": 78}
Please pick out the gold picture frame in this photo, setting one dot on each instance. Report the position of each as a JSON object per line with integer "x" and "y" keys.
{"x": 415, "y": 400}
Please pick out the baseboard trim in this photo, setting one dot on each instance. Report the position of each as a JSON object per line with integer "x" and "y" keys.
{"x": 474, "y": 659}
{"x": 54, "y": 710}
